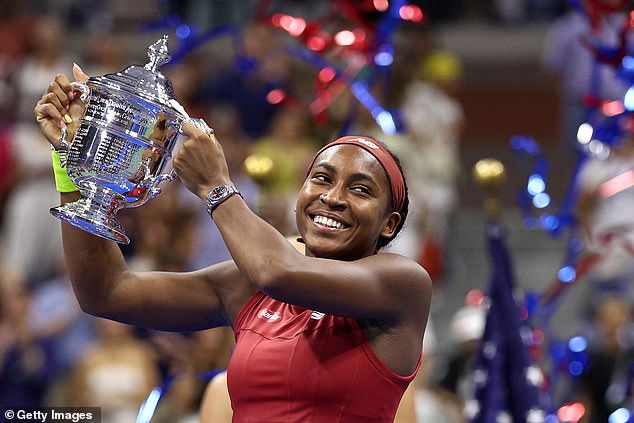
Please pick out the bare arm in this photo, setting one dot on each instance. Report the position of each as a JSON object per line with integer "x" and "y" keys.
{"x": 101, "y": 280}
{"x": 105, "y": 287}
{"x": 383, "y": 286}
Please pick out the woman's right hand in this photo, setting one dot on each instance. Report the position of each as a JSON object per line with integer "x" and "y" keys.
{"x": 60, "y": 106}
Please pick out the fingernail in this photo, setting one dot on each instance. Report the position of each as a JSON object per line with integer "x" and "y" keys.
{"x": 67, "y": 119}
{"x": 62, "y": 124}
{"x": 75, "y": 65}
{"x": 71, "y": 95}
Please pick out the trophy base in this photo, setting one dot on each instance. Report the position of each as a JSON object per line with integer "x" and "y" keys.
{"x": 91, "y": 215}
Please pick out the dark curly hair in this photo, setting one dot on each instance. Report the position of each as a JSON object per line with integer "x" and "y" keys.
{"x": 383, "y": 241}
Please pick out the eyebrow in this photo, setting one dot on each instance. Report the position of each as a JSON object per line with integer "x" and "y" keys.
{"x": 355, "y": 176}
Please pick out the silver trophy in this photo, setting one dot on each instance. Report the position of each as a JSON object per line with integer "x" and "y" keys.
{"x": 125, "y": 139}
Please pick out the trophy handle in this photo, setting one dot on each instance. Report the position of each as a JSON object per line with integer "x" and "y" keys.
{"x": 154, "y": 182}
{"x": 85, "y": 91}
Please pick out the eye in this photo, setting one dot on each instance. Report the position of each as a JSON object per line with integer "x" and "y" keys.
{"x": 361, "y": 189}
{"x": 320, "y": 177}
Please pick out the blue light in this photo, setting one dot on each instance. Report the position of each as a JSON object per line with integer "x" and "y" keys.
{"x": 577, "y": 344}
{"x": 386, "y": 122}
{"x": 549, "y": 222}
{"x": 382, "y": 117}
{"x": 362, "y": 93}
{"x": 628, "y": 62}
{"x": 621, "y": 415}
{"x": 149, "y": 406}
{"x": 575, "y": 368}
{"x": 567, "y": 274}
{"x": 384, "y": 58}
{"x": 628, "y": 99}
{"x": 551, "y": 418}
{"x": 541, "y": 200}
{"x": 526, "y": 144}
{"x": 183, "y": 31}
{"x": 535, "y": 185}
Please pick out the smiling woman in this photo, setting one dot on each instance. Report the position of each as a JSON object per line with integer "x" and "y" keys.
{"x": 363, "y": 183}
{"x": 332, "y": 335}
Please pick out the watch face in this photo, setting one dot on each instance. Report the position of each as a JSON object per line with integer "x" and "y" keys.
{"x": 219, "y": 192}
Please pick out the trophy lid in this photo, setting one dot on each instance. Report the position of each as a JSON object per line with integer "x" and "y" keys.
{"x": 145, "y": 81}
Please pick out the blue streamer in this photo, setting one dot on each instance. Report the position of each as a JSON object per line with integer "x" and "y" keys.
{"x": 148, "y": 407}
{"x": 359, "y": 88}
{"x": 382, "y": 50}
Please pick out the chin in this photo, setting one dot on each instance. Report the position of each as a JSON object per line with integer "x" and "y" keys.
{"x": 322, "y": 251}
{"x": 333, "y": 252}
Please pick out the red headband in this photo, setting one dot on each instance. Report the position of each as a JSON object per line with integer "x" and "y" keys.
{"x": 384, "y": 157}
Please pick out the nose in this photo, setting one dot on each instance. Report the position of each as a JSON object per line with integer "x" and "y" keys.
{"x": 333, "y": 198}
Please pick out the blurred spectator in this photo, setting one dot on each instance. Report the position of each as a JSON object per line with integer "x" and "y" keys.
{"x": 603, "y": 193}
{"x": 289, "y": 148}
{"x": 162, "y": 230}
{"x": 466, "y": 329}
{"x": 31, "y": 237}
{"x": 46, "y": 58}
{"x": 601, "y": 386}
{"x": 188, "y": 77}
{"x": 11, "y": 51}
{"x": 184, "y": 361}
{"x": 7, "y": 166}
{"x": 257, "y": 70}
{"x": 181, "y": 388}
{"x": 55, "y": 318}
{"x": 429, "y": 151}
{"x": 212, "y": 349}
{"x": 577, "y": 71}
{"x": 116, "y": 374}
{"x": 445, "y": 384}
{"x": 24, "y": 359}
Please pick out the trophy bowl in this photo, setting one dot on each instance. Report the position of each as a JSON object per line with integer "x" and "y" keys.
{"x": 125, "y": 138}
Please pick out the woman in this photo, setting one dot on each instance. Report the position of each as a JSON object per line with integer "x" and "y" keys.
{"x": 334, "y": 335}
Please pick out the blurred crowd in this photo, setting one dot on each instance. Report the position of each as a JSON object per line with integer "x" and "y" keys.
{"x": 51, "y": 353}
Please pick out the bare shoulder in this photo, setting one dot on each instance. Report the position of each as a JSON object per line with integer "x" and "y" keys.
{"x": 407, "y": 280}
{"x": 400, "y": 267}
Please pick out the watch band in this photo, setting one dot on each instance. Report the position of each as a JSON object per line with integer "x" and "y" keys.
{"x": 219, "y": 194}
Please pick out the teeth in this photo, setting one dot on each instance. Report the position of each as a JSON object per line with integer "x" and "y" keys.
{"x": 322, "y": 220}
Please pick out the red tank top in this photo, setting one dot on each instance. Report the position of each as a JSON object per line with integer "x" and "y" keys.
{"x": 296, "y": 365}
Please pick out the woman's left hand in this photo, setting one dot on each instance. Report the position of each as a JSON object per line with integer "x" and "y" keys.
{"x": 200, "y": 162}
